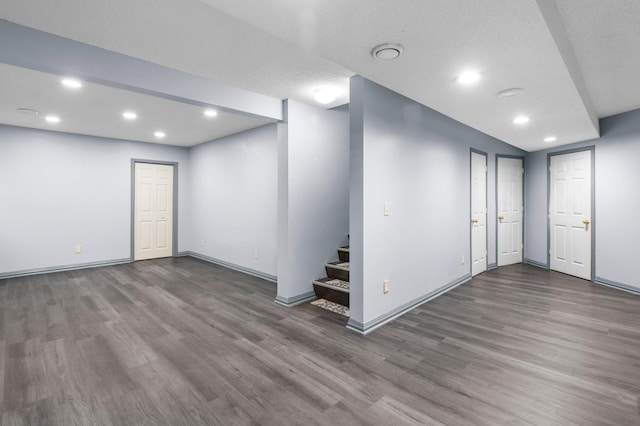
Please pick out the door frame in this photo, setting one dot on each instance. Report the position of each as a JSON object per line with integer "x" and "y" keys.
{"x": 592, "y": 149}
{"x": 486, "y": 203}
{"x": 518, "y": 157}
{"x": 174, "y": 225}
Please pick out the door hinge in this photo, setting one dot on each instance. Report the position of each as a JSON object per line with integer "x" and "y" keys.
{"x": 522, "y": 171}
{"x": 549, "y": 251}
{"x": 521, "y": 208}
{"x": 549, "y": 168}
{"x": 486, "y": 252}
{"x": 521, "y": 246}
{"x": 485, "y": 210}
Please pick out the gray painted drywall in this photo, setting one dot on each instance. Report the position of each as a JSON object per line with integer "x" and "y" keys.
{"x": 233, "y": 199}
{"x": 28, "y": 48}
{"x": 616, "y": 199}
{"x": 59, "y": 190}
{"x": 356, "y": 200}
{"x": 313, "y": 195}
{"x": 416, "y": 160}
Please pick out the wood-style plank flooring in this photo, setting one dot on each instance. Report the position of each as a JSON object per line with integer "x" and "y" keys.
{"x": 184, "y": 342}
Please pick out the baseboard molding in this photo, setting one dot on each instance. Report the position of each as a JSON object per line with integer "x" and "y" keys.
{"x": 617, "y": 285}
{"x": 63, "y": 268}
{"x": 296, "y": 300}
{"x": 536, "y": 263}
{"x": 235, "y": 267}
{"x": 491, "y": 266}
{"x": 369, "y": 326}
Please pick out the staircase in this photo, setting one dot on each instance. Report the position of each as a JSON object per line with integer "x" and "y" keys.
{"x": 335, "y": 286}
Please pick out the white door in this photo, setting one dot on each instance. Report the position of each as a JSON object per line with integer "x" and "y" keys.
{"x": 570, "y": 214}
{"x": 510, "y": 208}
{"x": 153, "y": 217}
{"x": 478, "y": 213}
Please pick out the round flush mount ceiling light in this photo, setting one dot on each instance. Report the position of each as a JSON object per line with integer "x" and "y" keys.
{"x": 129, "y": 115}
{"x": 159, "y": 134}
{"x": 468, "y": 77}
{"x": 324, "y": 95}
{"x": 387, "y": 51}
{"x": 210, "y": 113}
{"x": 71, "y": 83}
{"x": 550, "y": 139}
{"x": 52, "y": 119}
{"x": 507, "y": 93}
{"x": 521, "y": 119}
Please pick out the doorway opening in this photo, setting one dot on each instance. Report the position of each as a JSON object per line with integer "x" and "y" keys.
{"x": 154, "y": 209}
{"x": 571, "y": 212}
{"x": 510, "y": 209}
{"x": 479, "y": 250}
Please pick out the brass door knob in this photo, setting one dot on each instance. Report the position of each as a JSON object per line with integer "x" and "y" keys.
{"x": 500, "y": 217}
{"x": 586, "y": 221}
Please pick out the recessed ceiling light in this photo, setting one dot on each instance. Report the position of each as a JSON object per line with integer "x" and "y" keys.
{"x": 468, "y": 77}
{"x": 130, "y": 115}
{"x": 507, "y": 93}
{"x": 29, "y": 111}
{"x": 72, "y": 83}
{"x": 324, "y": 95}
{"x": 159, "y": 134}
{"x": 52, "y": 119}
{"x": 550, "y": 139}
{"x": 210, "y": 112}
{"x": 387, "y": 51}
{"x": 521, "y": 119}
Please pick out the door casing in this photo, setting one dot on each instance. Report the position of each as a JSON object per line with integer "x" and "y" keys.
{"x": 592, "y": 149}
{"x": 174, "y": 243}
{"x": 522, "y": 159}
{"x": 486, "y": 239}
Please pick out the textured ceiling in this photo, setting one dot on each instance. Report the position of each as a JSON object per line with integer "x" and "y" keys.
{"x": 576, "y": 59}
{"x": 97, "y": 110}
{"x": 605, "y": 36}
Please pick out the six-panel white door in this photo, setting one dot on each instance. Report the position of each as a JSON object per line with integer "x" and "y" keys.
{"x": 478, "y": 213}
{"x": 510, "y": 208}
{"x": 153, "y": 218}
{"x": 570, "y": 214}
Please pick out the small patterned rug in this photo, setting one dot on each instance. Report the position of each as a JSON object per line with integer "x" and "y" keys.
{"x": 331, "y": 306}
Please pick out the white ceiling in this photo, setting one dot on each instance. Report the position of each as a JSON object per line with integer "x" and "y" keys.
{"x": 576, "y": 59}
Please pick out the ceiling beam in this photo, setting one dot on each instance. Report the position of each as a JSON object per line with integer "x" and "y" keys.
{"x": 29, "y": 48}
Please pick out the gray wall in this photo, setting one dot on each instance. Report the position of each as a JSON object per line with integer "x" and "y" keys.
{"x": 59, "y": 190}
{"x": 617, "y": 200}
{"x": 313, "y": 196}
{"x": 233, "y": 200}
{"x": 418, "y": 161}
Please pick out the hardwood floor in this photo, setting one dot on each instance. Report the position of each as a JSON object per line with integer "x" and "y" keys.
{"x": 184, "y": 342}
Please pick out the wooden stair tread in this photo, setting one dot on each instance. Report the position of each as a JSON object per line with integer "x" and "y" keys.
{"x": 339, "y": 264}
{"x": 334, "y": 288}
{"x": 333, "y": 283}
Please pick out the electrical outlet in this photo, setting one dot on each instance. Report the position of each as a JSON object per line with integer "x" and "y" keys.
{"x": 255, "y": 254}
{"x": 386, "y": 209}
{"x": 202, "y": 243}
{"x": 385, "y": 286}
{"x": 78, "y": 249}
{"x": 462, "y": 259}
